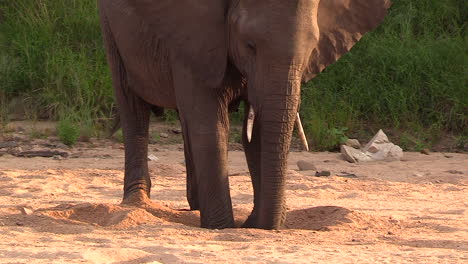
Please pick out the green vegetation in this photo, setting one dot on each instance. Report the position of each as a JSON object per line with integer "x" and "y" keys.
{"x": 68, "y": 131}
{"x": 51, "y": 54}
{"x": 408, "y": 77}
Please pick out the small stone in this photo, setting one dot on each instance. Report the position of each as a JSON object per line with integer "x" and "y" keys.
{"x": 305, "y": 165}
{"x": 163, "y": 135}
{"x": 448, "y": 156}
{"x": 152, "y": 157}
{"x": 347, "y": 175}
{"x": 354, "y": 143}
{"x": 177, "y": 131}
{"x": 57, "y": 157}
{"x": 454, "y": 172}
{"x": 390, "y": 233}
{"x": 425, "y": 151}
{"x": 19, "y": 224}
{"x": 26, "y": 211}
{"x": 322, "y": 174}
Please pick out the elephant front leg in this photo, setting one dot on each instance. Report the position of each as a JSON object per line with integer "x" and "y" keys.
{"x": 203, "y": 113}
{"x": 205, "y": 137}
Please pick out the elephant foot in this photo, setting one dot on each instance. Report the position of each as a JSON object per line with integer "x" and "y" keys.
{"x": 136, "y": 198}
{"x": 251, "y": 221}
{"x": 141, "y": 200}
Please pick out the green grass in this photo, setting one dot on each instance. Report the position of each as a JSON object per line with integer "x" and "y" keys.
{"x": 68, "y": 131}
{"x": 408, "y": 77}
{"x": 51, "y": 53}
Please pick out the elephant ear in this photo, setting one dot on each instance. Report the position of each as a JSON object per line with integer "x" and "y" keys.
{"x": 193, "y": 31}
{"x": 342, "y": 23}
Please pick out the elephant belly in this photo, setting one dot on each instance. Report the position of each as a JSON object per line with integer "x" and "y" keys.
{"x": 145, "y": 58}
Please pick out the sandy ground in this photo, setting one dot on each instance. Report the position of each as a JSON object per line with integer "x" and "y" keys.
{"x": 67, "y": 211}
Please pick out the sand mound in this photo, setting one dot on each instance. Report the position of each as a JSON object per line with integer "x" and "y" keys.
{"x": 105, "y": 215}
{"x": 327, "y": 218}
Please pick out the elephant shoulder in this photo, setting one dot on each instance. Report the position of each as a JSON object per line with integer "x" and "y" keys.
{"x": 193, "y": 31}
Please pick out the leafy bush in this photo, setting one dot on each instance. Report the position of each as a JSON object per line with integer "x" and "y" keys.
{"x": 68, "y": 131}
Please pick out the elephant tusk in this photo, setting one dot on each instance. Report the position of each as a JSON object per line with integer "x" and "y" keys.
{"x": 301, "y": 132}
{"x": 250, "y": 122}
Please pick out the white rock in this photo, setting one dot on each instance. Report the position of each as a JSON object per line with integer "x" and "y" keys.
{"x": 26, "y": 211}
{"x": 353, "y": 155}
{"x": 152, "y": 157}
{"x": 379, "y": 138}
{"x": 354, "y": 143}
{"x": 380, "y": 148}
{"x": 387, "y": 151}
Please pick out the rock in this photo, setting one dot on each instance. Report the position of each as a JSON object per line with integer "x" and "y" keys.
{"x": 8, "y": 144}
{"x": 305, "y": 165}
{"x": 152, "y": 157}
{"x": 21, "y": 138}
{"x": 354, "y": 143}
{"x": 26, "y": 211}
{"x": 40, "y": 153}
{"x": 454, "y": 172}
{"x": 448, "y": 156}
{"x": 425, "y": 151}
{"x": 163, "y": 135}
{"x": 353, "y": 155}
{"x": 387, "y": 151}
{"x": 177, "y": 131}
{"x": 347, "y": 175}
{"x": 380, "y": 148}
{"x": 379, "y": 138}
{"x": 322, "y": 173}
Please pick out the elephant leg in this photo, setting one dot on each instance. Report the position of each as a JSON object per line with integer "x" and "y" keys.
{"x": 205, "y": 124}
{"x": 252, "y": 154}
{"x": 192, "y": 184}
{"x": 134, "y": 116}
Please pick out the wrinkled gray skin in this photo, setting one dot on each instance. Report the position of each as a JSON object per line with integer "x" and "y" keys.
{"x": 203, "y": 57}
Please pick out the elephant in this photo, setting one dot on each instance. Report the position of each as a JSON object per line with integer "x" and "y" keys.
{"x": 204, "y": 57}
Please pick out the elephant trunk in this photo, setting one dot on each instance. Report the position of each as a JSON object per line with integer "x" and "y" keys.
{"x": 277, "y": 119}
